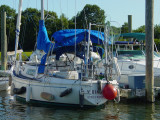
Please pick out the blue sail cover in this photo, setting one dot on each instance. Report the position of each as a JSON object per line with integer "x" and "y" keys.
{"x": 43, "y": 42}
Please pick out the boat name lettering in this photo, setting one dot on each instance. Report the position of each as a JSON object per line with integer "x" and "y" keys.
{"x": 93, "y": 91}
{"x": 93, "y": 97}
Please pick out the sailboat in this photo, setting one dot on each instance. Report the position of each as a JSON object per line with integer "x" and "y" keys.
{"x": 69, "y": 82}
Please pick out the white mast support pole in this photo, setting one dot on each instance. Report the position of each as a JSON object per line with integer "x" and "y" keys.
{"x": 42, "y": 9}
{"x": 88, "y": 46}
{"x": 18, "y": 27}
{"x": 105, "y": 43}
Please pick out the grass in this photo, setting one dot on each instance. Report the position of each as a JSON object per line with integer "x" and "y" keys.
{"x": 25, "y": 55}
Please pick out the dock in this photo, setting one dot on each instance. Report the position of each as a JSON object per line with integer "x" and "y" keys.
{"x": 136, "y": 87}
{"x": 137, "y": 93}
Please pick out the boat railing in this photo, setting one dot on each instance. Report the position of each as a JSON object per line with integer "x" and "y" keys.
{"x": 87, "y": 71}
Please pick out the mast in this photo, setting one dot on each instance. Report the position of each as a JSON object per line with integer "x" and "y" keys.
{"x": 88, "y": 50}
{"x": 88, "y": 46}
{"x": 18, "y": 27}
{"x": 42, "y": 9}
{"x": 106, "y": 51}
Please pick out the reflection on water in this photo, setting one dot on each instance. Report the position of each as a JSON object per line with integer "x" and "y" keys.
{"x": 9, "y": 109}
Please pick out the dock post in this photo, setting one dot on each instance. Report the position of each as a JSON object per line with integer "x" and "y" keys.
{"x": 3, "y": 41}
{"x": 130, "y": 27}
{"x": 149, "y": 29}
{"x": 130, "y": 23}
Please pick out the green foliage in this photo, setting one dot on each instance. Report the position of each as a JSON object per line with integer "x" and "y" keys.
{"x": 141, "y": 29}
{"x": 10, "y": 26}
{"x": 124, "y": 28}
{"x": 51, "y": 22}
{"x": 26, "y": 55}
{"x": 10, "y": 13}
{"x": 90, "y": 14}
{"x": 157, "y": 42}
{"x": 157, "y": 31}
{"x": 29, "y": 28}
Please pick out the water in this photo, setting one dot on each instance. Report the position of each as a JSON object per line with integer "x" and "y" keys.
{"x": 13, "y": 110}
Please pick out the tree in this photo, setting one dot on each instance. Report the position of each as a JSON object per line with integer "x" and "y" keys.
{"x": 90, "y": 14}
{"x": 29, "y": 28}
{"x": 141, "y": 29}
{"x": 157, "y": 31}
{"x": 62, "y": 22}
{"x": 51, "y": 23}
{"x": 10, "y": 25}
{"x": 124, "y": 28}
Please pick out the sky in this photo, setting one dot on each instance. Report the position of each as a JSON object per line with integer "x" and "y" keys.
{"x": 115, "y": 10}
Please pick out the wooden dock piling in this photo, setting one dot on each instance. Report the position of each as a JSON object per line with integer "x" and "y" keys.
{"x": 149, "y": 29}
{"x": 130, "y": 23}
{"x": 3, "y": 41}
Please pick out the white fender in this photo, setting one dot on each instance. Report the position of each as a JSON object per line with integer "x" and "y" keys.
{"x": 12, "y": 87}
{"x": 10, "y": 81}
{"x": 28, "y": 93}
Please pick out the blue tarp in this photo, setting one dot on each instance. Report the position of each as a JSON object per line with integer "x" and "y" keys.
{"x": 67, "y": 37}
{"x": 65, "y": 41}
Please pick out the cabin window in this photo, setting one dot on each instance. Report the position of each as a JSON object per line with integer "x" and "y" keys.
{"x": 31, "y": 72}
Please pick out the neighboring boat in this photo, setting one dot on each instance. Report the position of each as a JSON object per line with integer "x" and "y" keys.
{"x": 131, "y": 57}
{"x": 4, "y": 83}
{"x": 65, "y": 81}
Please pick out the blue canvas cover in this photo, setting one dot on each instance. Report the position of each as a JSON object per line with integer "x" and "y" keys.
{"x": 65, "y": 42}
{"x": 67, "y": 37}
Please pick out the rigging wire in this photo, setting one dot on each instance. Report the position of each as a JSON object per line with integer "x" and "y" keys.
{"x": 47, "y": 11}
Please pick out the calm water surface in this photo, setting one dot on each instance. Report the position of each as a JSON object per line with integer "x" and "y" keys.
{"x": 11, "y": 110}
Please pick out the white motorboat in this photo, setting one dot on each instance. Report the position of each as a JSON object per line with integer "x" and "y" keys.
{"x": 131, "y": 58}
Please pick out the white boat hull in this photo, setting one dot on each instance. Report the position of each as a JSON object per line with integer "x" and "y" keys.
{"x": 56, "y": 86}
{"x": 129, "y": 67}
